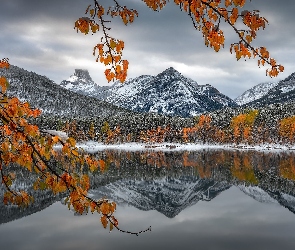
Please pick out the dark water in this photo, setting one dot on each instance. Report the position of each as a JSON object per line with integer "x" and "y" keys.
{"x": 192, "y": 200}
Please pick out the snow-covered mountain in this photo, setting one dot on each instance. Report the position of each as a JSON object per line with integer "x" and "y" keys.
{"x": 282, "y": 92}
{"x": 82, "y": 83}
{"x": 168, "y": 93}
{"x": 254, "y": 93}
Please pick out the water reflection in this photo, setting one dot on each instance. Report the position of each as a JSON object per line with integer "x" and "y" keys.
{"x": 167, "y": 195}
{"x": 42, "y": 198}
{"x": 203, "y": 199}
{"x": 170, "y": 182}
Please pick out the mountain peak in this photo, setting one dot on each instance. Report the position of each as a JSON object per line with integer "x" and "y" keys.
{"x": 170, "y": 71}
{"x": 82, "y": 83}
{"x": 169, "y": 75}
{"x": 289, "y": 78}
{"x": 80, "y": 77}
{"x": 283, "y": 91}
{"x": 83, "y": 74}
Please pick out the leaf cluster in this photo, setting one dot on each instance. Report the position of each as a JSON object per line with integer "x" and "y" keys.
{"x": 60, "y": 166}
{"x": 206, "y": 16}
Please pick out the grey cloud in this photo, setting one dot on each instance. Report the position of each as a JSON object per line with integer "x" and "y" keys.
{"x": 154, "y": 41}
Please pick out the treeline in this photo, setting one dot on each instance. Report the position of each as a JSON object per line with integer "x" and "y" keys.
{"x": 273, "y": 124}
{"x": 114, "y": 129}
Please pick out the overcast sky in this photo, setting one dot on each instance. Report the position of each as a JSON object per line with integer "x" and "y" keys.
{"x": 38, "y": 36}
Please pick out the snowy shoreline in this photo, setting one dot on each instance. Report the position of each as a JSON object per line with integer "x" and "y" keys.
{"x": 92, "y": 147}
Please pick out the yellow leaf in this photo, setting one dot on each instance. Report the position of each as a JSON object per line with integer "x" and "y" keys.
{"x": 3, "y": 84}
{"x": 249, "y": 38}
{"x": 71, "y": 141}
{"x": 55, "y": 139}
{"x": 113, "y": 44}
{"x": 75, "y": 152}
{"x": 91, "y": 12}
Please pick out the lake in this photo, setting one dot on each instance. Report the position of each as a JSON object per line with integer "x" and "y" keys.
{"x": 205, "y": 199}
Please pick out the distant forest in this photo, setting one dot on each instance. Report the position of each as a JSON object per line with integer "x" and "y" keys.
{"x": 272, "y": 124}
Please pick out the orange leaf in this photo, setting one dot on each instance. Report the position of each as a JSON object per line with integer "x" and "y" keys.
{"x": 104, "y": 221}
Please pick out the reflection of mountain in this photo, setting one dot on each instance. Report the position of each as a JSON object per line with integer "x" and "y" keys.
{"x": 257, "y": 194}
{"x": 42, "y": 199}
{"x": 169, "y": 182}
{"x": 267, "y": 196}
{"x": 285, "y": 200}
{"x": 206, "y": 174}
{"x": 169, "y": 196}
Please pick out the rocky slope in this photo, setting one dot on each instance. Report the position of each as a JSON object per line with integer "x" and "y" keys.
{"x": 168, "y": 93}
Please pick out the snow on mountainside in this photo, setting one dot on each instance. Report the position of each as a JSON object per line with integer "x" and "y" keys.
{"x": 254, "y": 93}
{"x": 82, "y": 83}
{"x": 282, "y": 92}
{"x": 168, "y": 93}
{"x": 288, "y": 84}
{"x": 44, "y": 94}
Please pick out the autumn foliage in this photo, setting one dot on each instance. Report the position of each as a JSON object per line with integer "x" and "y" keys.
{"x": 287, "y": 128}
{"x": 206, "y": 16}
{"x": 60, "y": 166}
{"x": 242, "y": 126}
{"x": 109, "y": 50}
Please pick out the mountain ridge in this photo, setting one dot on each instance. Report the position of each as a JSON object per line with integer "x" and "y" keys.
{"x": 167, "y": 93}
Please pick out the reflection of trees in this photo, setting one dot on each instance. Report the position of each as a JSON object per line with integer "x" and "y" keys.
{"x": 207, "y": 172}
{"x": 287, "y": 168}
{"x": 234, "y": 166}
{"x": 151, "y": 177}
{"x": 25, "y": 181}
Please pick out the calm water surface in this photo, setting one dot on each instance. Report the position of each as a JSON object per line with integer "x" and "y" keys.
{"x": 192, "y": 200}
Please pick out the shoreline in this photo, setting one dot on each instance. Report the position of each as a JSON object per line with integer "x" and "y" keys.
{"x": 93, "y": 147}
